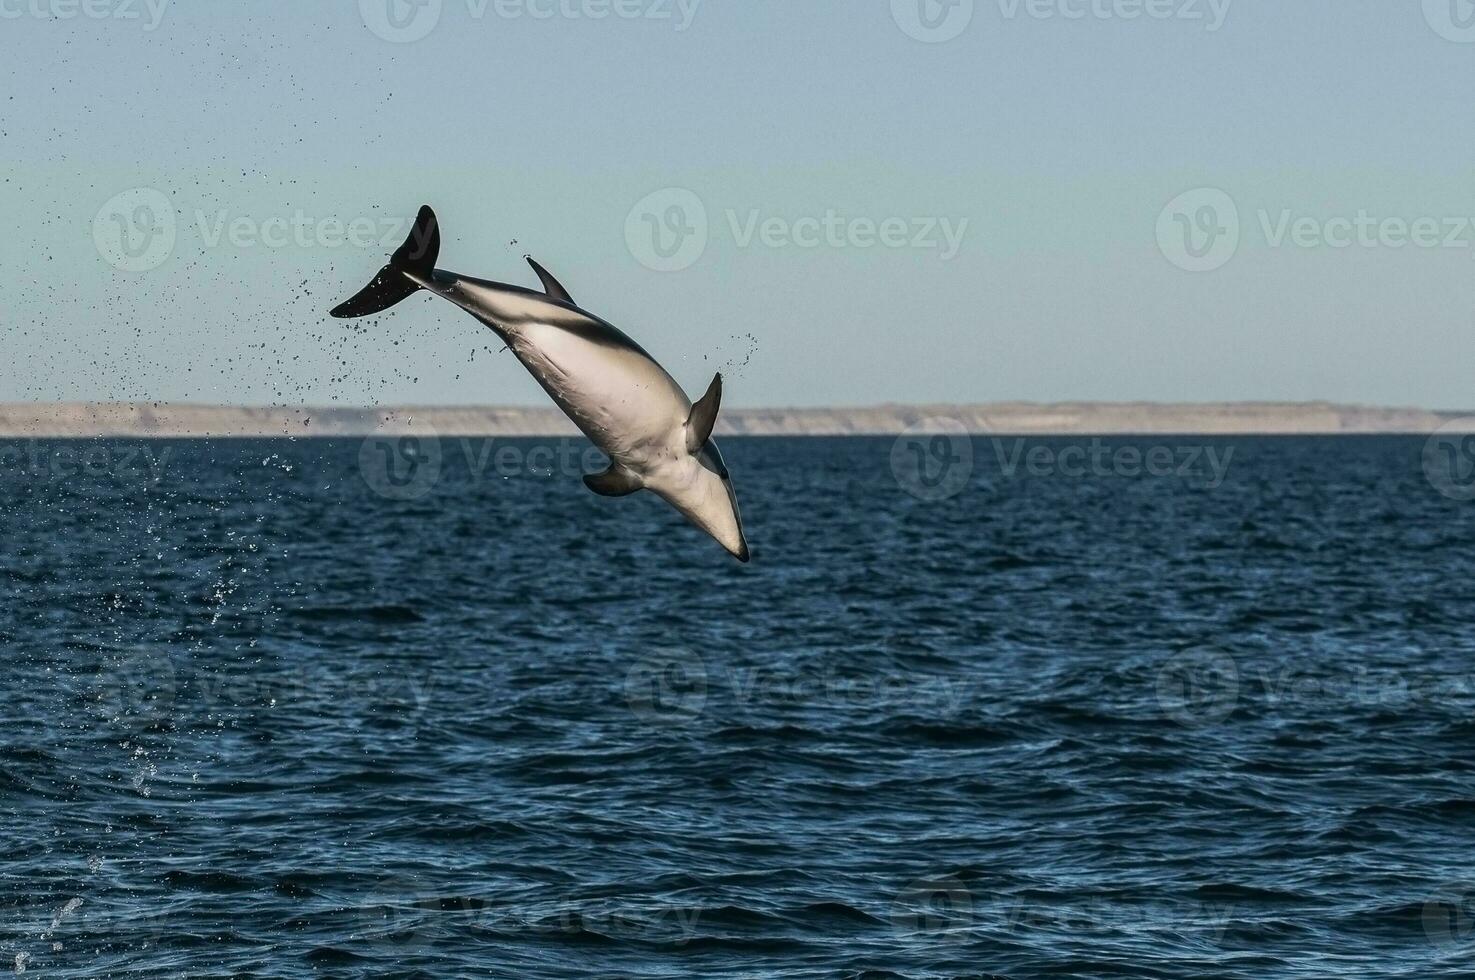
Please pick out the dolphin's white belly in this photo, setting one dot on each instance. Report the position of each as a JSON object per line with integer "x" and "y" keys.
{"x": 623, "y": 401}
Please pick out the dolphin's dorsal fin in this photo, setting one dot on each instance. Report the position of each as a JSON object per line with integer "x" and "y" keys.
{"x": 613, "y": 482}
{"x": 551, "y": 286}
{"x": 704, "y": 416}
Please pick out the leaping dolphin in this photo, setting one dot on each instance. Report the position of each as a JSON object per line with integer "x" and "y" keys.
{"x": 606, "y": 383}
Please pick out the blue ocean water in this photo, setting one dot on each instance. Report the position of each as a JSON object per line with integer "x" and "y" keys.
{"x": 340, "y": 708}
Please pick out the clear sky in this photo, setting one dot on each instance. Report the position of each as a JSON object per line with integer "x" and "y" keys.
{"x": 833, "y": 201}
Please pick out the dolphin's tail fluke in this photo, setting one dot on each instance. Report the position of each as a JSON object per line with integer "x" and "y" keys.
{"x": 411, "y": 266}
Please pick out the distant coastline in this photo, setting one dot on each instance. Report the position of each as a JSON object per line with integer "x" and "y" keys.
{"x": 37, "y": 420}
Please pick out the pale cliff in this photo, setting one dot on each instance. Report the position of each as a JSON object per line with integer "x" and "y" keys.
{"x": 145, "y": 420}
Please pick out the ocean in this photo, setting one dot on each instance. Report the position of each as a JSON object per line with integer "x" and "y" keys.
{"x": 1166, "y": 707}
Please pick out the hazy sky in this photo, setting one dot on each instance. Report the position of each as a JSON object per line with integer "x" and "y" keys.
{"x": 833, "y": 201}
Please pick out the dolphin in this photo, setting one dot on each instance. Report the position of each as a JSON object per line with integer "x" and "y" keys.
{"x": 615, "y": 392}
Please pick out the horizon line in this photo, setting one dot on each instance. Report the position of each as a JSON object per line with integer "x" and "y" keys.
{"x": 1317, "y": 403}
{"x": 36, "y": 420}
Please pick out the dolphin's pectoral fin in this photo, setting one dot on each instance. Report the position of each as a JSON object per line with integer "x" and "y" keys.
{"x": 704, "y": 416}
{"x": 551, "y": 286}
{"x": 613, "y": 482}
